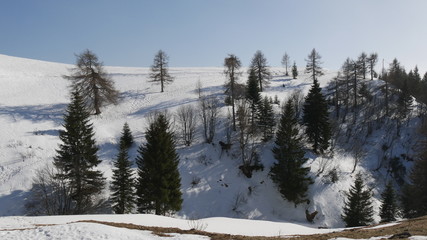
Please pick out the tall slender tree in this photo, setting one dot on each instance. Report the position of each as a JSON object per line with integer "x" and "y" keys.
{"x": 294, "y": 71}
{"x": 160, "y": 71}
{"x": 388, "y": 209}
{"x": 288, "y": 172}
{"x": 313, "y": 65}
{"x": 372, "y": 61}
{"x": 316, "y": 119}
{"x": 232, "y": 65}
{"x": 122, "y": 186}
{"x": 358, "y": 210}
{"x": 92, "y": 82}
{"x": 285, "y": 63}
{"x": 77, "y": 157}
{"x": 362, "y": 61}
{"x": 158, "y": 181}
{"x": 260, "y": 66}
{"x": 266, "y": 120}
{"x": 253, "y": 95}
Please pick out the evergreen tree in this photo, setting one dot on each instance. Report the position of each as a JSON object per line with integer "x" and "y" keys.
{"x": 288, "y": 172}
{"x": 266, "y": 121}
{"x": 160, "y": 70}
{"x": 313, "y": 65}
{"x": 126, "y": 137}
{"x": 405, "y": 100}
{"x": 122, "y": 185}
{"x": 358, "y": 210}
{"x": 92, "y": 82}
{"x": 77, "y": 157}
{"x": 260, "y": 66}
{"x": 316, "y": 119}
{"x": 388, "y": 209}
{"x": 158, "y": 182}
{"x": 294, "y": 71}
{"x": 253, "y": 94}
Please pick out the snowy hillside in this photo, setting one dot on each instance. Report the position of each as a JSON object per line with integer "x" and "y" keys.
{"x": 34, "y": 95}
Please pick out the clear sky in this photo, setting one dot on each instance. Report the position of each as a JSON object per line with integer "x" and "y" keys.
{"x": 201, "y": 33}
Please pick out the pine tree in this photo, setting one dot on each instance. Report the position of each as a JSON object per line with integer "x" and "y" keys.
{"x": 288, "y": 172}
{"x": 260, "y": 66}
{"x": 405, "y": 100}
{"x": 160, "y": 71}
{"x": 316, "y": 119}
{"x": 313, "y": 65}
{"x": 158, "y": 182}
{"x": 253, "y": 94}
{"x": 358, "y": 210}
{"x": 122, "y": 185}
{"x": 388, "y": 209}
{"x": 294, "y": 71}
{"x": 126, "y": 137}
{"x": 266, "y": 121}
{"x": 92, "y": 82}
{"x": 77, "y": 157}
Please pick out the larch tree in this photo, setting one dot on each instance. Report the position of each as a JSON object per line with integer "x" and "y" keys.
{"x": 316, "y": 119}
{"x": 372, "y": 61}
{"x": 92, "y": 82}
{"x": 158, "y": 180}
{"x": 285, "y": 63}
{"x": 313, "y": 65}
{"x": 260, "y": 66}
{"x": 122, "y": 186}
{"x": 358, "y": 210}
{"x": 363, "y": 63}
{"x": 77, "y": 158}
{"x": 288, "y": 172}
{"x": 160, "y": 71}
{"x": 232, "y": 65}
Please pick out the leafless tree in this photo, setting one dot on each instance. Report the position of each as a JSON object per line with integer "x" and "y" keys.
{"x": 198, "y": 89}
{"x": 372, "y": 60}
{"x": 298, "y": 99}
{"x": 260, "y": 66}
{"x": 159, "y": 69}
{"x": 232, "y": 65}
{"x": 209, "y": 110}
{"x": 313, "y": 65}
{"x": 92, "y": 82}
{"x": 187, "y": 121}
{"x": 285, "y": 63}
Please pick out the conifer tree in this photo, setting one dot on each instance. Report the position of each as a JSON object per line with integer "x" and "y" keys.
{"x": 253, "y": 94}
{"x": 316, "y": 119}
{"x": 288, "y": 172}
{"x": 92, "y": 82}
{"x": 122, "y": 185}
{"x": 405, "y": 100}
{"x": 159, "y": 181}
{"x": 358, "y": 210}
{"x": 160, "y": 70}
{"x": 294, "y": 71}
{"x": 313, "y": 65}
{"x": 77, "y": 157}
{"x": 126, "y": 137}
{"x": 266, "y": 121}
{"x": 362, "y": 61}
{"x": 372, "y": 61}
{"x": 285, "y": 63}
{"x": 388, "y": 209}
{"x": 260, "y": 66}
{"x": 232, "y": 65}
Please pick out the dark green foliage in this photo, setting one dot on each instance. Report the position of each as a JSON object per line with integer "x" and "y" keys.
{"x": 358, "y": 210}
{"x": 77, "y": 157}
{"x": 158, "y": 182}
{"x": 122, "y": 185}
{"x": 92, "y": 82}
{"x": 414, "y": 197}
{"x": 316, "y": 119}
{"x": 288, "y": 172}
{"x": 126, "y": 139}
{"x": 266, "y": 121}
{"x": 253, "y": 94}
{"x": 388, "y": 209}
{"x": 404, "y": 101}
{"x": 294, "y": 71}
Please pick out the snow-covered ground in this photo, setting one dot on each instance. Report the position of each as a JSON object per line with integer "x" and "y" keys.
{"x": 34, "y": 95}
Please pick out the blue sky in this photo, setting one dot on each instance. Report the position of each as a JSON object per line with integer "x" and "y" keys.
{"x": 201, "y": 33}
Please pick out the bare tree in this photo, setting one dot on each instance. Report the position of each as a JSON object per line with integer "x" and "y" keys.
{"x": 159, "y": 69}
{"x": 260, "y": 66}
{"x": 285, "y": 63}
{"x": 232, "y": 65}
{"x": 313, "y": 65}
{"x": 362, "y": 62}
{"x": 372, "y": 60}
{"x": 198, "y": 89}
{"x": 187, "y": 121}
{"x": 91, "y": 81}
{"x": 209, "y": 110}
{"x": 298, "y": 99}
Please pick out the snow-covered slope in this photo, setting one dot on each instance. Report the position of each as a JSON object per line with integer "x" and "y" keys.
{"x": 34, "y": 95}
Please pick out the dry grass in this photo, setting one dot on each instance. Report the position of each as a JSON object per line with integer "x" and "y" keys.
{"x": 416, "y": 226}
